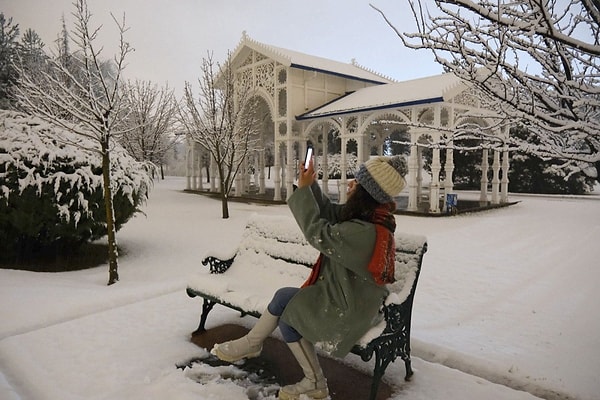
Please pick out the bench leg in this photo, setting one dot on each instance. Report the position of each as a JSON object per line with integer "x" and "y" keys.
{"x": 384, "y": 355}
{"x": 207, "y": 305}
{"x": 375, "y": 385}
{"x": 409, "y": 371}
{"x": 382, "y": 360}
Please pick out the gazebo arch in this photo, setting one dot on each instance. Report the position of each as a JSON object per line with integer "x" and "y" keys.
{"x": 256, "y": 159}
{"x": 318, "y": 132}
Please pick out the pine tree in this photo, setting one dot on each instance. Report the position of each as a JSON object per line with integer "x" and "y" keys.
{"x": 31, "y": 51}
{"x": 531, "y": 174}
{"x": 62, "y": 43}
{"x": 9, "y": 34}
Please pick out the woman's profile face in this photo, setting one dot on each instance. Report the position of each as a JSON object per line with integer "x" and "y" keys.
{"x": 352, "y": 185}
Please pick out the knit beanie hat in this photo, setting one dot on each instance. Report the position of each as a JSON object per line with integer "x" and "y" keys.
{"x": 383, "y": 177}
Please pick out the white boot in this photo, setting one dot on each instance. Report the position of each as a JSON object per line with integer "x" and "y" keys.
{"x": 250, "y": 345}
{"x": 314, "y": 384}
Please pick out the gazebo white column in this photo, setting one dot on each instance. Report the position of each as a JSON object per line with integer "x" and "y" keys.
{"x": 449, "y": 165}
{"x": 449, "y": 171}
{"x": 413, "y": 165}
{"x": 261, "y": 172}
{"x": 324, "y": 162}
{"x": 434, "y": 189}
{"x": 284, "y": 169}
{"x": 289, "y": 166}
{"x": 415, "y": 178}
{"x": 504, "y": 180}
{"x": 436, "y": 166}
{"x": 362, "y": 155}
{"x": 343, "y": 183}
{"x": 277, "y": 172}
{"x": 496, "y": 177}
{"x": 343, "y": 179}
{"x": 484, "y": 176}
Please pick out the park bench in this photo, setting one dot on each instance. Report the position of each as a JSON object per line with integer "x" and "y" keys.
{"x": 273, "y": 253}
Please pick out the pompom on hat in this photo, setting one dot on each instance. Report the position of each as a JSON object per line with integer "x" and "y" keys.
{"x": 383, "y": 177}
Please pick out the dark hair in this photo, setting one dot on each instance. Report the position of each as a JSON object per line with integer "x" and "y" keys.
{"x": 360, "y": 205}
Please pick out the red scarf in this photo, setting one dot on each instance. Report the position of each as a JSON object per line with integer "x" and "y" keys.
{"x": 382, "y": 264}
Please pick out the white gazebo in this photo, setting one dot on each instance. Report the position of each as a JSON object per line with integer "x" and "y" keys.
{"x": 310, "y": 97}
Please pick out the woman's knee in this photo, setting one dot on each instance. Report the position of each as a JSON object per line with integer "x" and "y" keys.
{"x": 280, "y": 300}
{"x": 289, "y": 334}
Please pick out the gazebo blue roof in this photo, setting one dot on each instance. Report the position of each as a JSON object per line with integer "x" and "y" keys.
{"x": 433, "y": 89}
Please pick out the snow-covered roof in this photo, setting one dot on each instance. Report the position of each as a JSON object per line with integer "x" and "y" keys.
{"x": 432, "y": 89}
{"x": 307, "y": 62}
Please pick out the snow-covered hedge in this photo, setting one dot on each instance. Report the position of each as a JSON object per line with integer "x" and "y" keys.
{"x": 51, "y": 190}
{"x": 334, "y": 165}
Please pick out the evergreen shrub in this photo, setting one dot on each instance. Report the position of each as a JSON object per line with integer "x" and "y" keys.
{"x": 51, "y": 189}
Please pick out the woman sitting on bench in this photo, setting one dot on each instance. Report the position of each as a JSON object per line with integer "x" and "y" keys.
{"x": 343, "y": 296}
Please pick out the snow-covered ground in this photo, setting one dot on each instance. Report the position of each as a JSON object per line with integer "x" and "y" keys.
{"x": 507, "y": 296}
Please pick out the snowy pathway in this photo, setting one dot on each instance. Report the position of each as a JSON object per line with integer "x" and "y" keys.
{"x": 506, "y": 295}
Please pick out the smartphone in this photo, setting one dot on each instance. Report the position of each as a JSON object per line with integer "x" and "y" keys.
{"x": 309, "y": 154}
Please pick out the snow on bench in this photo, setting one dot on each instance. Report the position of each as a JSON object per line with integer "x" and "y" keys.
{"x": 273, "y": 253}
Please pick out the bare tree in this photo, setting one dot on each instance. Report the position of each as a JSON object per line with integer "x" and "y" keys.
{"x": 150, "y": 128}
{"x": 222, "y": 120}
{"x": 84, "y": 99}
{"x": 534, "y": 62}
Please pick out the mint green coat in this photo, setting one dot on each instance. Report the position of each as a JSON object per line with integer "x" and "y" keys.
{"x": 345, "y": 301}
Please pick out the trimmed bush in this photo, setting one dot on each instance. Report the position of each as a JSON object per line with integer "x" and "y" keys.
{"x": 51, "y": 190}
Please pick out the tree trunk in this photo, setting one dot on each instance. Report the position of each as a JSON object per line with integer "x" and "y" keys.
{"x": 224, "y": 206}
{"x": 113, "y": 274}
{"x": 224, "y": 199}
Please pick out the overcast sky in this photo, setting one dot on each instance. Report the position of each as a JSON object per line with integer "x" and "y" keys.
{"x": 171, "y": 37}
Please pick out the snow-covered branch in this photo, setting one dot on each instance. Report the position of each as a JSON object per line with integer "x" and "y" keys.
{"x": 82, "y": 93}
{"x": 535, "y": 63}
{"x": 150, "y": 129}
